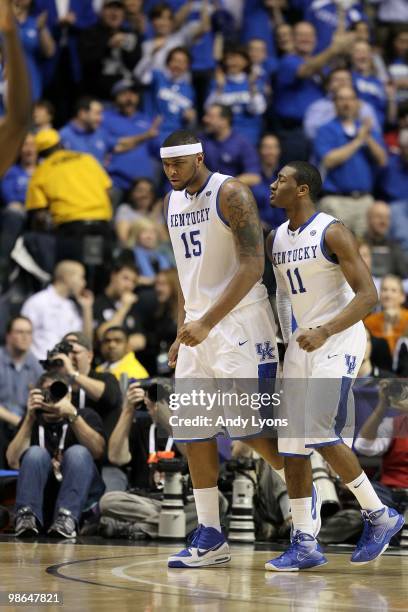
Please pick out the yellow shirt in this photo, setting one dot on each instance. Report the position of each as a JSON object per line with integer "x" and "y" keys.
{"x": 127, "y": 365}
{"x": 73, "y": 186}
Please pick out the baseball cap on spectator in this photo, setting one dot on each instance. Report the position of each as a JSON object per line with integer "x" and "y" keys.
{"x": 45, "y": 139}
{"x": 126, "y": 85}
{"x": 80, "y": 338}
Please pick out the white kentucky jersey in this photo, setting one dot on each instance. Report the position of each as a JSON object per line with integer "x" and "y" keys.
{"x": 315, "y": 283}
{"x": 204, "y": 248}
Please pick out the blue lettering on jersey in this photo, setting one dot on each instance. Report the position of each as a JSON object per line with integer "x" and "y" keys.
{"x": 283, "y": 257}
{"x": 350, "y": 363}
{"x": 265, "y": 350}
{"x": 190, "y": 218}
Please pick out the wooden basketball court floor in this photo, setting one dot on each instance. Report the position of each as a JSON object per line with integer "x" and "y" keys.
{"x": 94, "y": 576}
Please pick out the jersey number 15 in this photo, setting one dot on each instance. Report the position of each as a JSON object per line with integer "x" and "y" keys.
{"x": 192, "y": 244}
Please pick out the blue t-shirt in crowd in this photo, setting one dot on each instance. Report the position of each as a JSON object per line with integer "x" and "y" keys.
{"x": 292, "y": 94}
{"x": 14, "y": 184}
{"x": 256, "y": 23}
{"x": 236, "y": 94}
{"x": 393, "y": 179}
{"x": 234, "y": 155}
{"x": 371, "y": 90}
{"x": 358, "y": 173}
{"x": 323, "y": 14}
{"x": 124, "y": 168}
{"x": 30, "y": 39}
{"x": 171, "y": 98}
{"x": 262, "y": 192}
{"x": 98, "y": 142}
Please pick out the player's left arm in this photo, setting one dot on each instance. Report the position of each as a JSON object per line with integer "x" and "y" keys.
{"x": 14, "y": 125}
{"x": 239, "y": 208}
{"x": 340, "y": 242}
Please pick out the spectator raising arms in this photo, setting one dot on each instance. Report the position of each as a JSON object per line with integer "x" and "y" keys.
{"x": 236, "y": 86}
{"x": 37, "y": 41}
{"x": 392, "y": 321}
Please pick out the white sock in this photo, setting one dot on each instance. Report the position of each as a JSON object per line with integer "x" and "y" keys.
{"x": 302, "y": 515}
{"x": 208, "y": 510}
{"x": 280, "y": 473}
{"x": 363, "y": 491}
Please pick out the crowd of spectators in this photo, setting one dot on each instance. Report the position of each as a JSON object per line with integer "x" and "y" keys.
{"x": 84, "y": 248}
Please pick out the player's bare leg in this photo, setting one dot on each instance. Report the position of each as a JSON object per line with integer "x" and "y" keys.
{"x": 267, "y": 448}
{"x": 203, "y": 463}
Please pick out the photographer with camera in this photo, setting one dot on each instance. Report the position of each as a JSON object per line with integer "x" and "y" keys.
{"x": 97, "y": 390}
{"x": 58, "y": 451}
{"x": 387, "y": 436}
{"x": 138, "y": 441}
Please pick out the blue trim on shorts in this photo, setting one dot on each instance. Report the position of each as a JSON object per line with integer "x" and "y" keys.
{"x": 321, "y": 444}
{"x": 332, "y": 258}
{"x": 341, "y": 417}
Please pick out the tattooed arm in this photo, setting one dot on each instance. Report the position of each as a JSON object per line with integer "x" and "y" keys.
{"x": 240, "y": 210}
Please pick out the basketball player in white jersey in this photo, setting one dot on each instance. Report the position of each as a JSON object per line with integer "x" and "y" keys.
{"x": 225, "y": 325}
{"x": 322, "y": 278}
{"x": 14, "y": 125}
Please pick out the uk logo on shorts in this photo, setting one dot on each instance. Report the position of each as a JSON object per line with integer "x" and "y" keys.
{"x": 265, "y": 350}
{"x": 350, "y": 363}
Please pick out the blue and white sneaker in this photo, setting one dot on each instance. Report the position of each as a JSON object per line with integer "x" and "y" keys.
{"x": 379, "y": 527}
{"x": 207, "y": 547}
{"x": 304, "y": 552}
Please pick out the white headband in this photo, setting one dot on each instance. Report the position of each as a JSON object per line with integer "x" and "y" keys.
{"x": 179, "y": 151}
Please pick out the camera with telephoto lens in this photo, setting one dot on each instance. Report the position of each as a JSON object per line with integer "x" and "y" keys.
{"x": 172, "y": 519}
{"x": 154, "y": 389}
{"x": 53, "y": 394}
{"x": 51, "y": 362}
{"x": 241, "y": 517}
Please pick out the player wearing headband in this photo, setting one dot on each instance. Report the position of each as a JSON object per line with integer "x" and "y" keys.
{"x": 226, "y": 328}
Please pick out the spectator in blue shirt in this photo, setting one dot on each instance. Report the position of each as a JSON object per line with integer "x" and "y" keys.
{"x": 85, "y": 132}
{"x": 240, "y": 89}
{"x": 37, "y": 42}
{"x": 394, "y": 186}
{"x": 13, "y": 192}
{"x": 396, "y": 56}
{"x": 367, "y": 85}
{"x": 226, "y": 151}
{"x": 326, "y": 17}
{"x": 19, "y": 369}
{"x": 269, "y": 153}
{"x": 258, "y": 22}
{"x": 173, "y": 94}
{"x": 262, "y": 66}
{"x": 125, "y": 120}
{"x": 351, "y": 154}
{"x": 324, "y": 110}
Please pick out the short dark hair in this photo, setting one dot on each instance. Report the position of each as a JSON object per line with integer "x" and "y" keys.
{"x": 182, "y": 50}
{"x": 84, "y": 103}
{"x": 159, "y": 9}
{"x": 307, "y": 174}
{"x": 121, "y": 264}
{"x": 46, "y": 104}
{"x": 180, "y": 137}
{"x": 225, "y": 111}
{"x": 11, "y": 322}
{"x": 115, "y": 328}
{"x": 53, "y": 375}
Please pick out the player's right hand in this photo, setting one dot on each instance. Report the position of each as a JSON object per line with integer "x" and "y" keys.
{"x": 173, "y": 353}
